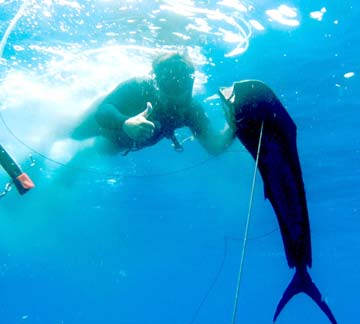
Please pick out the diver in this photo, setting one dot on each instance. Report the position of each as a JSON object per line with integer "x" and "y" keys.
{"x": 141, "y": 111}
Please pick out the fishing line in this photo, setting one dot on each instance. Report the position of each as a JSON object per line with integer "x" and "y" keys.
{"x": 221, "y": 267}
{"x": 247, "y": 228}
{"x": 226, "y": 245}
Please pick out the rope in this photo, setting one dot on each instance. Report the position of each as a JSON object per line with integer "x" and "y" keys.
{"x": 211, "y": 287}
{"x": 246, "y": 230}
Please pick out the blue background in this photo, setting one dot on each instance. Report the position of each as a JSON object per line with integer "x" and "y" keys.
{"x": 156, "y": 236}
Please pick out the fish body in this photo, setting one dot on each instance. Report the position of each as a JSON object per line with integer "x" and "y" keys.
{"x": 256, "y": 108}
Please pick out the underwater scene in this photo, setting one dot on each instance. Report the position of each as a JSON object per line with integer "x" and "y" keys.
{"x": 174, "y": 230}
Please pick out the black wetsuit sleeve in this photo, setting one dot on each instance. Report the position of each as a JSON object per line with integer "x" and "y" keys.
{"x": 128, "y": 99}
{"x": 109, "y": 117}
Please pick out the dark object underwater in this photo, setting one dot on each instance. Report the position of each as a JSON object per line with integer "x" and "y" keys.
{"x": 21, "y": 180}
{"x": 249, "y": 104}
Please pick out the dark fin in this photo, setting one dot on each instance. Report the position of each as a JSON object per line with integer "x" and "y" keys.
{"x": 302, "y": 283}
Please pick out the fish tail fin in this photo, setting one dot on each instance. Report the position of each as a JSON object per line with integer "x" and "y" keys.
{"x": 302, "y": 282}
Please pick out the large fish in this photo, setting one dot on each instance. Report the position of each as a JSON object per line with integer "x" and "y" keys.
{"x": 248, "y": 105}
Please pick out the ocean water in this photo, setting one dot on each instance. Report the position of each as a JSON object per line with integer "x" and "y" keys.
{"x": 156, "y": 236}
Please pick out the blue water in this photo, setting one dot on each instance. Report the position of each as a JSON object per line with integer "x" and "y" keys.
{"x": 156, "y": 236}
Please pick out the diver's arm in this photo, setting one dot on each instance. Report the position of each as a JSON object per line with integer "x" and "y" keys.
{"x": 214, "y": 141}
{"x": 120, "y": 104}
{"x": 109, "y": 117}
{"x": 137, "y": 128}
{"x": 223, "y": 139}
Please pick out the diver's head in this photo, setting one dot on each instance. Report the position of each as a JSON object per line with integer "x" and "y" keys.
{"x": 174, "y": 74}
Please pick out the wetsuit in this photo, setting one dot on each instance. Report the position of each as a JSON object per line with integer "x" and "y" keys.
{"x": 129, "y": 99}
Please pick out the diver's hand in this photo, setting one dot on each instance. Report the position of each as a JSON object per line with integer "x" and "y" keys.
{"x": 139, "y": 128}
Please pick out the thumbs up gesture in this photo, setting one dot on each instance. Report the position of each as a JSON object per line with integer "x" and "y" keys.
{"x": 139, "y": 128}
